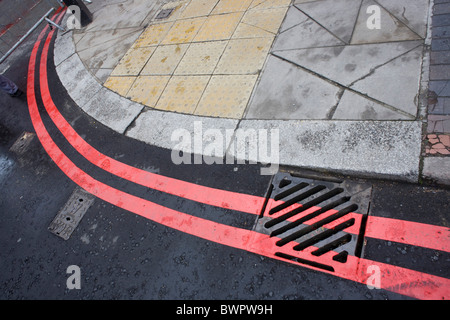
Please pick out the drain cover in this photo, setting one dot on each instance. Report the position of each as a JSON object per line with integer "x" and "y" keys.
{"x": 320, "y": 218}
{"x": 71, "y": 214}
{"x": 163, "y": 14}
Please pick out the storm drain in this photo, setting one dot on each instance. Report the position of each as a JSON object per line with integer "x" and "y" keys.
{"x": 320, "y": 218}
{"x": 71, "y": 214}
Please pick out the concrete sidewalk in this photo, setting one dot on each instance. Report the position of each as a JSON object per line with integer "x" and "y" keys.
{"x": 343, "y": 96}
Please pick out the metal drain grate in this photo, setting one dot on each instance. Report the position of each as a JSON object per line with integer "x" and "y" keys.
{"x": 71, "y": 214}
{"x": 316, "y": 217}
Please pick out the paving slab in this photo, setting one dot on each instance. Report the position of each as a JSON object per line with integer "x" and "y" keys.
{"x": 413, "y": 14}
{"x": 437, "y": 169}
{"x": 183, "y": 93}
{"x": 310, "y": 72}
{"x": 385, "y": 148}
{"x": 114, "y": 111}
{"x": 391, "y": 28}
{"x": 354, "y": 106}
{"x": 164, "y": 129}
{"x": 340, "y": 20}
{"x": 76, "y": 78}
{"x": 147, "y": 89}
{"x": 306, "y": 34}
{"x": 395, "y": 83}
{"x": 347, "y": 64}
{"x": 288, "y": 92}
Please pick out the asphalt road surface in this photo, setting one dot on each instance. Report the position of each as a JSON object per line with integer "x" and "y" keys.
{"x": 122, "y": 255}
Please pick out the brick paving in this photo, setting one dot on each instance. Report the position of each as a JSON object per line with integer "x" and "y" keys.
{"x": 438, "y": 131}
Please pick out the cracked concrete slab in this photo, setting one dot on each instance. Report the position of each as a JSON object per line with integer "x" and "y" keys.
{"x": 347, "y": 64}
{"x": 287, "y": 92}
{"x": 305, "y": 34}
{"x": 391, "y": 29}
{"x": 395, "y": 83}
{"x": 353, "y": 106}
{"x": 339, "y": 21}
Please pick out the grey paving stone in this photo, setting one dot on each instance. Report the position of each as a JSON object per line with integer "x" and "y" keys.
{"x": 339, "y": 21}
{"x": 307, "y": 34}
{"x": 441, "y": 88}
{"x": 441, "y": 20}
{"x": 440, "y": 44}
{"x": 437, "y": 169}
{"x": 381, "y": 148}
{"x": 347, "y": 64}
{"x": 287, "y": 92}
{"x": 414, "y": 13}
{"x": 112, "y": 110}
{"x": 77, "y": 80}
{"x": 391, "y": 28}
{"x": 353, "y": 106}
{"x": 439, "y": 72}
{"x": 164, "y": 129}
{"x": 440, "y": 32}
{"x": 395, "y": 83}
{"x": 440, "y": 57}
{"x": 64, "y": 47}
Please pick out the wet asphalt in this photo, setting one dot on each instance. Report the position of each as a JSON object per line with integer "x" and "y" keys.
{"x": 125, "y": 256}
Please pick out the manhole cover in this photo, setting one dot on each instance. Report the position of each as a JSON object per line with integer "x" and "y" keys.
{"x": 71, "y": 214}
{"x": 316, "y": 217}
{"x": 164, "y": 14}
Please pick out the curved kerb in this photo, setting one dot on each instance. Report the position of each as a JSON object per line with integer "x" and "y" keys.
{"x": 382, "y": 149}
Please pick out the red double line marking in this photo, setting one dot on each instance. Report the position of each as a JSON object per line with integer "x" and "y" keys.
{"x": 396, "y": 279}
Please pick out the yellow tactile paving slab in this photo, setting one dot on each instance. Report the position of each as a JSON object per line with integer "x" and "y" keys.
{"x": 201, "y": 58}
{"x": 148, "y": 89}
{"x": 244, "y": 56}
{"x": 267, "y": 4}
{"x": 183, "y": 31}
{"x": 219, "y": 27}
{"x": 133, "y": 61}
{"x": 268, "y": 19}
{"x": 226, "y": 96}
{"x": 183, "y": 93}
{"x": 153, "y": 35}
{"x": 227, "y": 6}
{"x": 121, "y": 85}
{"x": 198, "y": 8}
{"x": 204, "y": 59}
{"x": 165, "y": 60}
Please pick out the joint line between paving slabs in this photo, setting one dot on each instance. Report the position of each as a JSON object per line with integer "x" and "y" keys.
{"x": 348, "y": 88}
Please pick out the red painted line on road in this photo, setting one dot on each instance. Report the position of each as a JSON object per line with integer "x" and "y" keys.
{"x": 396, "y": 279}
{"x": 378, "y": 227}
{"x": 408, "y": 232}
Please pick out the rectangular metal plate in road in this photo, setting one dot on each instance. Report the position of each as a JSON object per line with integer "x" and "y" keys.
{"x": 71, "y": 214}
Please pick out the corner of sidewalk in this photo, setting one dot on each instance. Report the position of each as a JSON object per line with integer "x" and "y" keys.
{"x": 434, "y": 168}
{"x": 436, "y": 154}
